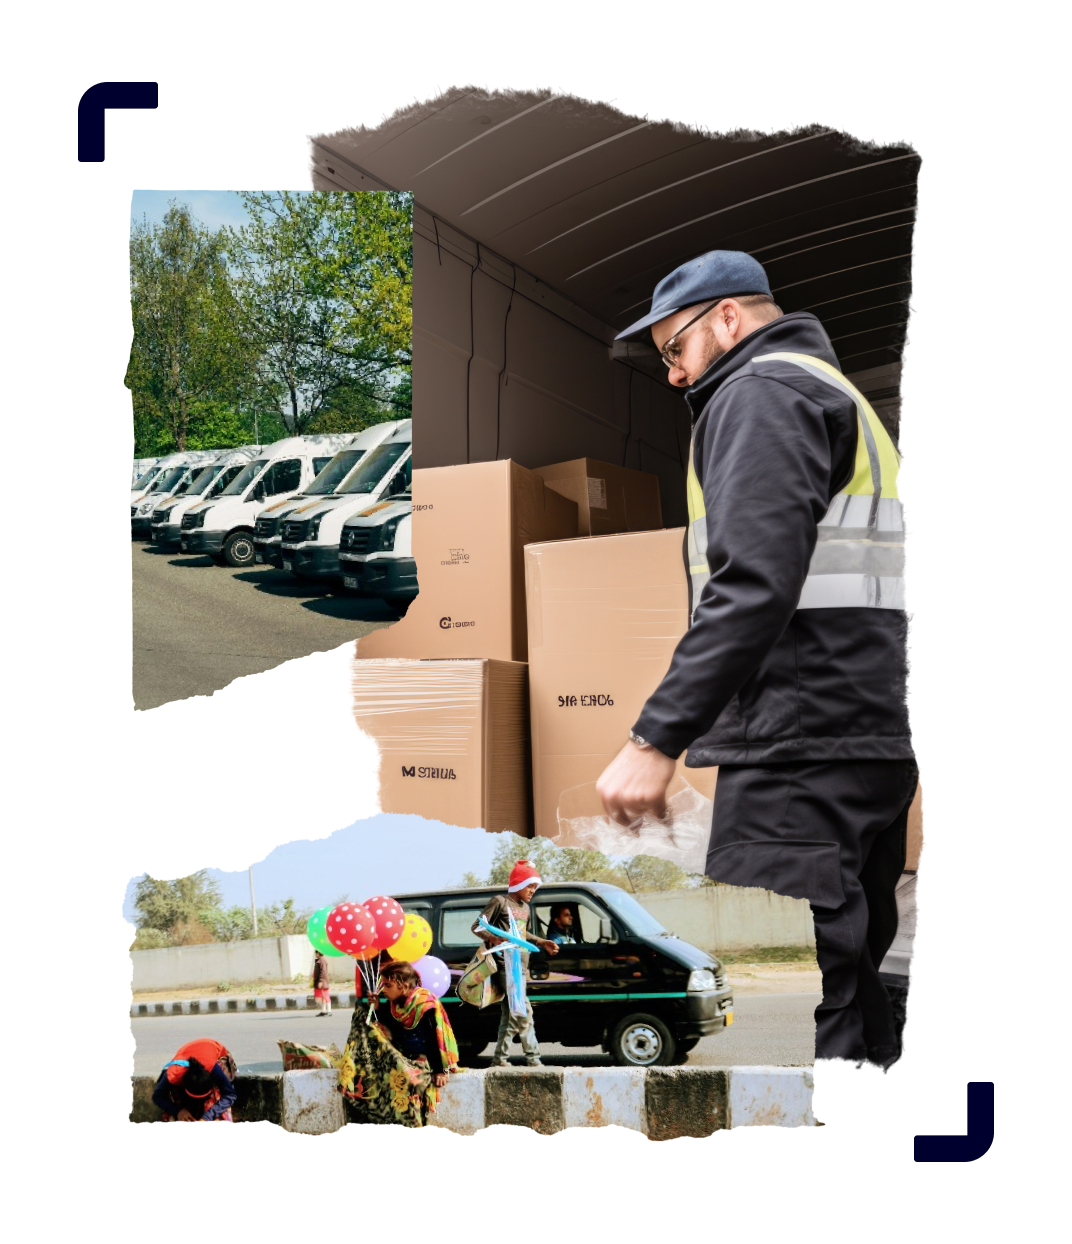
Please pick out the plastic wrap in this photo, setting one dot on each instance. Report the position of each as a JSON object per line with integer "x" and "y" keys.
{"x": 681, "y": 838}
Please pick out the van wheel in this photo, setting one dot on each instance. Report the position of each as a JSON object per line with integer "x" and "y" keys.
{"x": 642, "y": 1041}
{"x": 238, "y": 549}
{"x": 684, "y": 1048}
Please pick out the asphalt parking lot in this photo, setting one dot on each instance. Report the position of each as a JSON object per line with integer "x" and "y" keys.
{"x": 198, "y": 626}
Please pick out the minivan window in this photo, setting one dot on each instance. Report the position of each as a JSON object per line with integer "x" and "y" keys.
{"x": 635, "y": 917}
{"x": 587, "y": 927}
{"x": 456, "y": 925}
{"x": 319, "y": 464}
{"x": 373, "y": 468}
{"x": 284, "y": 476}
{"x": 147, "y": 477}
{"x": 244, "y": 478}
{"x": 334, "y": 473}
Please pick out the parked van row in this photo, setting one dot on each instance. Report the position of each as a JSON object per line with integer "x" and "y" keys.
{"x": 334, "y": 509}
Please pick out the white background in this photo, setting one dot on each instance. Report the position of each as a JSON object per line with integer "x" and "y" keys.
{"x": 94, "y": 801}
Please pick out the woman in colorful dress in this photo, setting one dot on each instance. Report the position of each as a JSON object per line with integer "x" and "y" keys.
{"x": 197, "y": 1085}
{"x": 398, "y": 1056}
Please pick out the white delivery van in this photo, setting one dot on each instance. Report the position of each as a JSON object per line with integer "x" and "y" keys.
{"x": 154, "y": 479}
{"x": 267, "y": 541}
{"x": 222, "y": 526}
{"x": 174, "y": 480}
{"x": 210, "y": 481}
{"x": 376, "y": 552}
{"x": 310, "y": 534}
{"x": 141, "y": 468}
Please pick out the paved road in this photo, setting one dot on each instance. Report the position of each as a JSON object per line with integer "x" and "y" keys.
{"x": 198, "y": 626}
{"x": 770, "y": 1029}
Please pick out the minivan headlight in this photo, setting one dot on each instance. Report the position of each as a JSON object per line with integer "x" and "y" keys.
{"x": 387, "y": 532}
{"x": 700, "y": 980}
{"x": 314, "y": 525}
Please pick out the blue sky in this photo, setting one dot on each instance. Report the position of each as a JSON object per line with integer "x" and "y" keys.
{"x": 213, "y": 208}
{"x": 382, "y": 855}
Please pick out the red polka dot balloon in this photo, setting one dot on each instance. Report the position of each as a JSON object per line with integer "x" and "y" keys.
{"x": 351, "y": 928}
{"x": 390, "y": 920}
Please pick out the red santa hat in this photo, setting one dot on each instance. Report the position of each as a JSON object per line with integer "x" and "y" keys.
{"x": 521, "y": 875}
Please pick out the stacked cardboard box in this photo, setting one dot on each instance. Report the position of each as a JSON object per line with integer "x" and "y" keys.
{"x": 609, "y": 498}
{"x": 470, "y": 526}
{"x": 453, "y": 738}
{"x": 605, "y": 615}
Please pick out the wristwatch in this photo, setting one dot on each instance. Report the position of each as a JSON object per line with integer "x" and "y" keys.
{"x": 643, "y": 744}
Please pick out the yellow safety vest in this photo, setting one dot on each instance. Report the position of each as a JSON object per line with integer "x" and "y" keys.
{"x": 859, "y": 558}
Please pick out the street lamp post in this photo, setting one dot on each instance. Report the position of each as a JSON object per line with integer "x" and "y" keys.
{"x": 252, "y": 901}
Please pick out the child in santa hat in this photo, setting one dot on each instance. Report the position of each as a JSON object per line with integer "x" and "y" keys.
{"x": 515, "y": 903}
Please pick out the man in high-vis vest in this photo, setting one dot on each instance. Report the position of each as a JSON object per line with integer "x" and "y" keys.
{"x": 791, "y": 676}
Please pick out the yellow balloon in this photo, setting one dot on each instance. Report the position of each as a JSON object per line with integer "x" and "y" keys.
{"x": 416, "y": 939}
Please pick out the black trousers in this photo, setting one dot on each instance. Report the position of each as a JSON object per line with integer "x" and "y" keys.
{"x": 833, "y": 833}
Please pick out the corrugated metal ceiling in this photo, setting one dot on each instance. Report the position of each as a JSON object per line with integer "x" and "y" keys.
{"x": 600, "y": 205}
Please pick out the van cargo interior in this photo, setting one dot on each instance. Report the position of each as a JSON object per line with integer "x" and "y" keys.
{"x": 543, "y": 222}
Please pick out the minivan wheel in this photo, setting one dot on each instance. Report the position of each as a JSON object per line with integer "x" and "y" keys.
{"x": 238, "y": 549}
{"x": 642, "y": 1041}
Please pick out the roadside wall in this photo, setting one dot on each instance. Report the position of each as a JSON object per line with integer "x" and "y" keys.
{"x": 727, "y": 917}
{"x": 261, "y": 959}
{"x": 714, "y": 918}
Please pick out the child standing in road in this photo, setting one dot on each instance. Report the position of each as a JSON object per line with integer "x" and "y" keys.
{"x": 321, "y": 984}
{"x": 524, "y": 881}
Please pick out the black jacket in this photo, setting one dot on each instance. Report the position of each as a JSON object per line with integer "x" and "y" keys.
{"x": 754, "y": 680}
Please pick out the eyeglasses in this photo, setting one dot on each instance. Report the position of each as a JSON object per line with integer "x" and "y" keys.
{"x": 671, "y": 352}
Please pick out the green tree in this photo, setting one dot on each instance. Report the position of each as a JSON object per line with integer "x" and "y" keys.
{"x": 182, "y": 909}
{"x": 325, "y": 283}
{"x": 186, "y": 346}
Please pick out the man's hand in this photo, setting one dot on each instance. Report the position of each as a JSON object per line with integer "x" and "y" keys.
{"x": 635, "y": 783}
{"x": 548, "y": 947}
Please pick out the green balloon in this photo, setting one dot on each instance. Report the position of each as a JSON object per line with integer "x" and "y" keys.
{"x": 316, "y": 931}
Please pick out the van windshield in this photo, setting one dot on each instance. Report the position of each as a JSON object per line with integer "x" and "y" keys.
{"x": 169, "y": 479}
{"x": 244, "y": 478}
{"x": 223, "y": 479}
{"x": 201, "y": 480}
{"x": 637, "y": 918}
{"x": 147, "y": 477}
{"x": 374, "y": 467}
{"x": 336, "y": 470}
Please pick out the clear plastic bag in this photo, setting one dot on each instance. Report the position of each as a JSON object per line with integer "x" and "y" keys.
{"x": 682, "y": 837}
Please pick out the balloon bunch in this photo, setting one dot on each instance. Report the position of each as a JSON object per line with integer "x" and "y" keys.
{"x": 364, "y": 931}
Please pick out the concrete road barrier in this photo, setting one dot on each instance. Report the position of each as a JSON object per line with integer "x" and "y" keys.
{"x": 662, "y": 1102}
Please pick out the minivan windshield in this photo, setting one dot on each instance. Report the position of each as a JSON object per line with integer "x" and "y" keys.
{"x": 375, "y": 466}
{"x": 147, "y": 477}
{"x": 226, "y": 475}
{"x": 638, "y": 919}
{"x": 202, "y": 479}
{"x": 245, "y": 477}
{"x": 336, "y": 470}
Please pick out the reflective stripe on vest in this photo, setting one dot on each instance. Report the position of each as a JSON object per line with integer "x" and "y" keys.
{"x": 858, "y": 561}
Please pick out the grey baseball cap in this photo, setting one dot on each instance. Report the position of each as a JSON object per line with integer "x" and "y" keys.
{"x": 718, "y": 274}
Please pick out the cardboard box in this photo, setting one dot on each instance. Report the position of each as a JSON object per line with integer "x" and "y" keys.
{"x": 605, "y": 615}
{"x": 453, "y": 737}
{"x": 915, "y": 833}
{"x": 470, "y": 526}
{"x": 609, "y": 498}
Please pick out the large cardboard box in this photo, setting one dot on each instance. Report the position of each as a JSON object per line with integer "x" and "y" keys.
{"x": 453, "y": 738}
{"x": 470, "y": 526}
{"x": 609, "y": 498}
{"x": 605, "y": 615}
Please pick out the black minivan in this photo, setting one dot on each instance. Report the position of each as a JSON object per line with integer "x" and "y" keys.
{"x": 625, "y": 983}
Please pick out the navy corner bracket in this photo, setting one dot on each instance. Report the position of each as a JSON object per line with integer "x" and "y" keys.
{"x": 980, "y": 1134}
{"x": 91, "y": 109}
